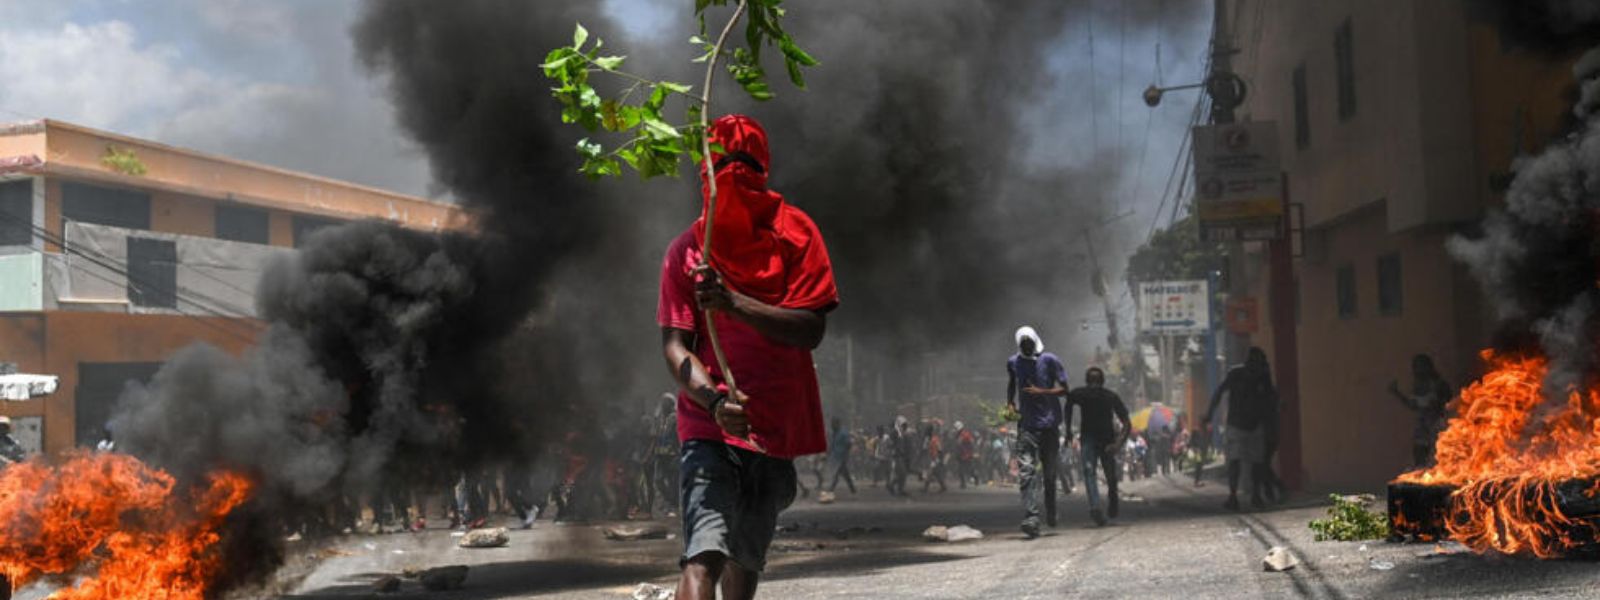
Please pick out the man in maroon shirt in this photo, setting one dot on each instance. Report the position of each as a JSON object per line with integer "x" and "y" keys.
{"x": 769, "y": 286}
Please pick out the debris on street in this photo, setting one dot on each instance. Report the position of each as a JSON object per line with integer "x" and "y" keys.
{"x": 388, "y": 584}
{"x": 630, "y": 533}
{"x": 485, "y": 538}
{"x": 1279, "y": 559}
{"x": 1378, "y": 564}
{"x": 959, "y": 533}
{"x": 826, "y": 498}
{"x": 651, "y": 591}
{"x": 1349, "y": 520}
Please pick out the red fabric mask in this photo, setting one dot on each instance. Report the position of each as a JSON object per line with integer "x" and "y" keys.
{"x": 761, "y": 246}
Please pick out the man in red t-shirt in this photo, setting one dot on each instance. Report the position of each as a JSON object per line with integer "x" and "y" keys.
{"x": 769, "y": 286}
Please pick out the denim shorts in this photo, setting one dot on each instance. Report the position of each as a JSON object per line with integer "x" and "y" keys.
{"x": 731, "y": 501}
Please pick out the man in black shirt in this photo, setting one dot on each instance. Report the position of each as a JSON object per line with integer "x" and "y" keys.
{"x": 1099, "y": 439}
{"x": 1252, "y": 404}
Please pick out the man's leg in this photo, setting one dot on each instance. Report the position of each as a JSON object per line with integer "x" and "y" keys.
{"x": 1233, "y": 485}
{"x": 844, "y": 469}
{"x": 710, "y": 493}
{"x": 700, "y": 575}
{"x": 1049, "y": 456}
{"x": 1113, "y": 501}
{"x": 1028, "y": 472}
{"x": 1093, "y": 456}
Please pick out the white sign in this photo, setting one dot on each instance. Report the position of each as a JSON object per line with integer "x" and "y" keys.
{"x": 1238, "y": 181}
{"x": 1174, "y": 307}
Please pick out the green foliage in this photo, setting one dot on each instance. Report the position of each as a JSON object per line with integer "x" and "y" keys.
{"x": 1175, "y": 253}
{"x": 1349, "y": 520}
{"x": 124, "y": 161}
{"x": 651, "y": 144}
{"x": 997, "y": 414}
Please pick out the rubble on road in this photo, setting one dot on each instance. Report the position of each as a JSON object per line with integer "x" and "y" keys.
{"x": 826, "y": 498}
{"x": 959, "y": 533}
{"x": 651, "y": 591}
{"x": 1279, "y": 559}
{"x": 439, "y": 579}
{"x": 485, "y": 538}
{"x": 629, "y": 533}
{"x": 388, "y": 584}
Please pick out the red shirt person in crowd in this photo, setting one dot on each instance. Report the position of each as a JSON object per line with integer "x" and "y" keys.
{"x": 769, "y": 285}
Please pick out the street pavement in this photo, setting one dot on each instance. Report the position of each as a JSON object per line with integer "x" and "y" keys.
{"x": 1173, "y": 540}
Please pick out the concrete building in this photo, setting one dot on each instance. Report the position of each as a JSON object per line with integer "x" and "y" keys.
{"x": 115, "y": 252}
{"x": 1398, "y": 123}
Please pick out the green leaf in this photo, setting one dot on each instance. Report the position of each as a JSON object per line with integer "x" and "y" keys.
{"x": 661, "y": 128}
{"x": 675, "y": 87}
{"x": 697, "y": 40}
{"x": 658, "y": 98}
{"x": 609, "y": 63}
{"x": 795, "y": 76}
{"x": 793, "y": 52}
{"x": 589, "y": 149}
{"x": 579, "y": 36}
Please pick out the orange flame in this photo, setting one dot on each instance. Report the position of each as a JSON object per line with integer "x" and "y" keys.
{"x": 115, "y": 521}
{"x": 1507, "y": 460}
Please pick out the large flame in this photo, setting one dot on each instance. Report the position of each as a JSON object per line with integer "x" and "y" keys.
{"x": 1509, "y": 455}
{"x": 114, "y": 523}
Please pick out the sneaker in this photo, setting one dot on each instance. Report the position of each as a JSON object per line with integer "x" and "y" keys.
{"x": 1099, "y": 517}
{"x": 1232, "y": 503}
{"x": 1030, "y": 529}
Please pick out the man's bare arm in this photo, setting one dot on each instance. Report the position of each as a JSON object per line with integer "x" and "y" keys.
{"x": 787, "y": 326}
{"x": 693, "y": 377}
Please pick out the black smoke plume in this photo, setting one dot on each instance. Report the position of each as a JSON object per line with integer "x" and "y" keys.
{"x": 1538, "y": 258}
{"x": 395, "y": 355}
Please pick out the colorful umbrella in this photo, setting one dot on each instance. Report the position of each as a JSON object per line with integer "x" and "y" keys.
{"x": 1155, "y": 417}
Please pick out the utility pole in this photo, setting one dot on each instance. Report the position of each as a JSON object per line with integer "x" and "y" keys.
{"x": 1227, "y": 93}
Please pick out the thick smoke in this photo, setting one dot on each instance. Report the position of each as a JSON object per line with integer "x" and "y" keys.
{"x": 395, "y": 355}
{"x": 1537, "y": 258}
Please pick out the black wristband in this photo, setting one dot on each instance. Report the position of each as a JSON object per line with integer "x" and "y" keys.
{"x": 717, "y": 402}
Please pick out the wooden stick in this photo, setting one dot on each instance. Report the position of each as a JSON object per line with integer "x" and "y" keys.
{"x": 711, "y": 203}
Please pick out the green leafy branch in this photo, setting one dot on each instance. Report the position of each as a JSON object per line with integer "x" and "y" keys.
{"x": 650, "y": 143}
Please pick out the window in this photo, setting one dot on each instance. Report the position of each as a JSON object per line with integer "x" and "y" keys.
{"x": 105, "y": 206}
{"x": 304, "y": 226}
{"x": 1344, "y": 59}
{"x": 1302, "y": 115}
{"x": 241, "y": 224}
{"x": 16, "y": 213}
{"x": 152, "y": 272}
{"x": 1345, "y": 282}
{"x": 1390, "y": 298}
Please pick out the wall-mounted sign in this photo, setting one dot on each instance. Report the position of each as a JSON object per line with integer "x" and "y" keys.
{"x": 1174, "y": 307}
{"x": 1238, "y": 181}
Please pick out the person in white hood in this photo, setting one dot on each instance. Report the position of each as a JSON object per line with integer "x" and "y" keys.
{"x": 1036, "y": 383}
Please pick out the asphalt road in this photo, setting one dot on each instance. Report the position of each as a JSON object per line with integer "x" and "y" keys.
{"x": 1173, "y": 541}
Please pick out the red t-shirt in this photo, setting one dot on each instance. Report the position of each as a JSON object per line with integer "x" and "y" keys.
{"x": 785, "y": 405}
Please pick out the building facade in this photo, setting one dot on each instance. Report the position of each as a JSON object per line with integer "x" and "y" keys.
{"x": 1398, "y": 125}
{"x": 116, "y": 252}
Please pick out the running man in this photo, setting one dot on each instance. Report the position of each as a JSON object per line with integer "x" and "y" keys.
{"x": 1036, "y": 382}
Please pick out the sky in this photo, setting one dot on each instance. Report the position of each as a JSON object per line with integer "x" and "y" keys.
{"x": 278, "y": 82}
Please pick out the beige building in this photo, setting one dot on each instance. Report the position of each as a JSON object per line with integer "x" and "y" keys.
{"x": 1397, "y": 122}
{"x": 116, "y": 252}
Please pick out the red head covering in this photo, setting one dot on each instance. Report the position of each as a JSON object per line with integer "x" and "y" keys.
{"x": 762, "y": 246}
